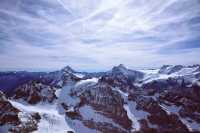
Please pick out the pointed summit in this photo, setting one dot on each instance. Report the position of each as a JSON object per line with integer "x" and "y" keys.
{"x": 119, "y": 69}
{"x": 121, "y": 66}
{"x": 68, "y": 69}
{"x": 122, "y": 70}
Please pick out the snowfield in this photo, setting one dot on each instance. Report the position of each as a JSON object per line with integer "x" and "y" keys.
{"x": 51, "y": 121}
{"x": 75, "y": 104}
{"x": 131, "y": 116}
{"x": 82, "y": 82}
{"x": 153, "y": 74}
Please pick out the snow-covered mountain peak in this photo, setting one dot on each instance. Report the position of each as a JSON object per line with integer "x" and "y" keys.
{"x": 169, "y": 69}
{"x": 119, "y": 68}
{"x": 190, "y": 74}
{"x": 118, "y": 101}
{"x": 122, "y": 70}
{"x": 68, "y": 69}
{"x": 179, "y": 69}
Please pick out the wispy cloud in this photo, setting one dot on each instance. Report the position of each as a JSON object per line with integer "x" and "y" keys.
{"x": 97, "y": 34}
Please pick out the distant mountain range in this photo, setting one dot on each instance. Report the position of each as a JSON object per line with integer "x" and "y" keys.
{"x": 121, "y": 100}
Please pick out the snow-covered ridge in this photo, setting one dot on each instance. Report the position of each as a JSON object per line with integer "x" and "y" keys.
{"x": 168, "y": 71}
{"x": 51, "y": 121}
{"x": 94, "y": 103}
{"x": 92, "y": 80}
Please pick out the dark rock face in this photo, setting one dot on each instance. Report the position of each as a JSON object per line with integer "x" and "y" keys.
{"x": 118, "y": 81}
{"x": 104, "y": 100}
{"x": 121, "y": 77}
{"x": 164, "y": 122}
{"x": 103, "y": 127}
{"x": 27, "y": 127}
{"x": 70, "y": 132}
{"x": 130, "y": 74}
{"x": 167, "y": 69}
{"x": 187, "y": 99}
{"x": 68, "y": 77}
{"x": 74, "y": 115}
{"x": 34, "y": 92}
{"x": 36, "y": 116}
{"x": 164, "y": 84}
{"x": 145, "y": 128}
{"x": 10, "y": 115}
{"x": 176, "y": 96}
{"x": 159, "y": 106}
{"x": 108, "y": 102}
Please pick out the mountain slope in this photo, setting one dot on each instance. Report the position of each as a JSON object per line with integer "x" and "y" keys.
{"x": 121, "y": 100}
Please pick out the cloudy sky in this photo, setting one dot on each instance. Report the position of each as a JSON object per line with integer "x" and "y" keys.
{"x": 97, "y": 34}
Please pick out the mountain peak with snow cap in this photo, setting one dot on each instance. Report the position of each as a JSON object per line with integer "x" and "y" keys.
{"x": 68, "y": 69}
{"x": 112, "y": 99}
{"x": 119, "y": 68}
{"x": 122, "y": 70}
{"x": 169, "y": 69}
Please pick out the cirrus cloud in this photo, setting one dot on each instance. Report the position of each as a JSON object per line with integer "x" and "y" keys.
{"x": 97, "y": 34}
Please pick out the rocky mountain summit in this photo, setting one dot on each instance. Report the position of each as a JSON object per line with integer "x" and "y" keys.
{"x": 121, "y": 100}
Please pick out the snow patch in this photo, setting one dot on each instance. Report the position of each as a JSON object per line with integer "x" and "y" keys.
{"x": 139, "y": 114}
{"x": 94, "y": 80}
{"x": 165, "y": 109}
{"x": 79, "y": 127}
{"x": 135, "y": 123}
{"x": 66, "y": 98}
{"x": 51, "y": 121}
{"x": 90, "y": 114}
{"x": 151, "y": 75}
{"x": 123, "y": 94}
{"x": 79, "y": 75}
{"x": 170, "y": 109}
{"x": 192, "y": 125}
{"x": 57, "y": 92}
{"x": 149, "y": 71}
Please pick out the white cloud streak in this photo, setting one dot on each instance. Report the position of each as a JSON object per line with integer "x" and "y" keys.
{"x": 97, "y": 34}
